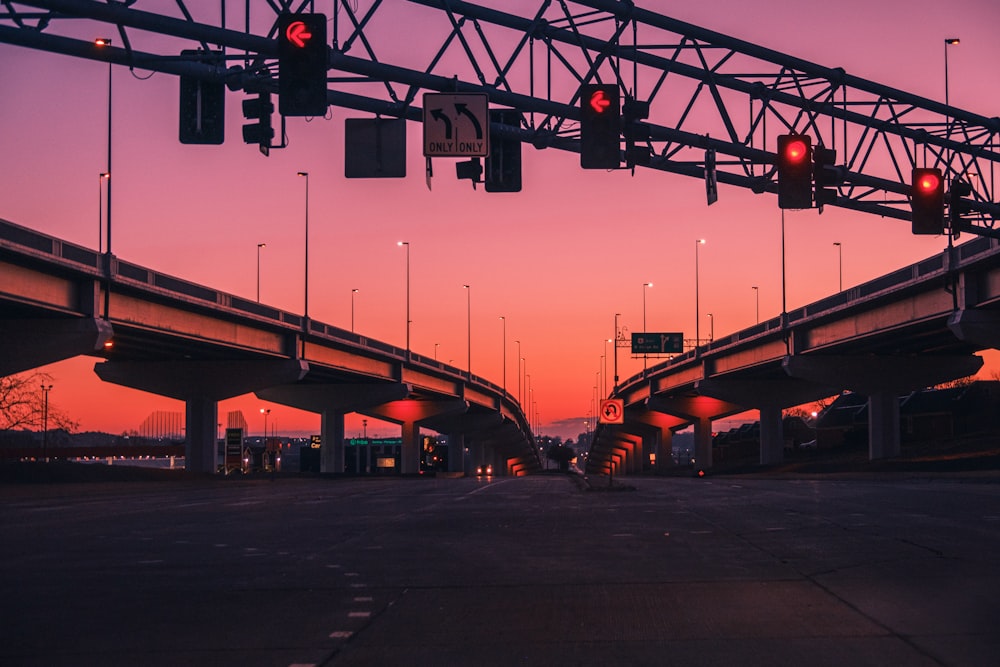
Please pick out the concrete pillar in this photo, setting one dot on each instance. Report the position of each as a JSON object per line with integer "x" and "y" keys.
{"x": 410, "y": 451}
{"x": 331, "y": 455}
{"x": 772, "y": 436}
{"x": 456, "y": 452}
{"x": 703, "y": 443}
{"x": 200, "y": 450}
{"x": 883, "y": 425}
{"x": 665, "y": 450}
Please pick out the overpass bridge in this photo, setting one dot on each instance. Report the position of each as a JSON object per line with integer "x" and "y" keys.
{"x": 913, "y": 328}
{"x": 161, "y": 334}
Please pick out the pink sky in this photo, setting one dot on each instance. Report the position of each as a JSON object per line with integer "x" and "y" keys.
{"x": 557, "y": 260}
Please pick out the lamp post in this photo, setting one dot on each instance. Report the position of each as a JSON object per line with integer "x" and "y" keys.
{"x": 617, "y": 315}
{"x": 259, "y": 246}
{"x": 265, "y": 412}
{"x": 102, "y": 42}
{"x": 756, "y": 291}
{"x": 305, "y": 308}
{"x": 45, "y": 422}
{"x": 100, "y": 210}
{"x": 711, "y": 327}
{"x": 518, "y": 370}
{"x": 353, "y": 292}
{"x": 697, "y": 334}
{"x": 949, "y": 41}
{"x": 406, "y": 244}
{"x": 436, "y": 351}
{"x": 468, "y": 319}
{"x": 644, "y": 286}
{"x": 606, "y": 341}
{"x": 504, "y": 374}
{"x": 840, "y": 266}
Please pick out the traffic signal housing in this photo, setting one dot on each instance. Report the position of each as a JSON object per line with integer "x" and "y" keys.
{"x": 827, "y": 176}
{"x": 600, "y": 126}
{"x": 260, "y": 132}
{"x": 302, "y": 64}
{"x": 795, "y": 171}
{"x": 202, "y": 103}
{"x": 956, "y": 205}
{"x": 927, "y": 201}
{"x": 503, "y": 164}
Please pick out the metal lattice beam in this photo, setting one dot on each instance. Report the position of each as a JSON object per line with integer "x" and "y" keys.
{"x": 704, "y": 89}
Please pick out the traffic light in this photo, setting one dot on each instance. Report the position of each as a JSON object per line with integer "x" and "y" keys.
{"x": 957, "y": 207}
{"x": 927, "y": 201}
{"x": 826, "y": 176}
{"x": 259, "y": 109}
{"x": 302, "y": 64}
{"x": 503, "y": 164}
{"x": 794, "y": 171}
{"x": 600, "y": 126}
{"x": 202, "y": 103}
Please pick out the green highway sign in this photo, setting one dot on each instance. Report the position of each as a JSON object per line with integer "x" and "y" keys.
{"x": 657, "y": 343}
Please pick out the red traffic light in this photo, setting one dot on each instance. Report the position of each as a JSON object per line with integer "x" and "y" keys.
{"x": 599, "y": 101}
{"x": 297, "y": 33}
{"x": 796, "y": 150}
{"x": 927, "y": 181}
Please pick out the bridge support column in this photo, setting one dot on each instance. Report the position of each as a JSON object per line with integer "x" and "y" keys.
{"x": 703, "y": 443}
{"x": 772, "y": 436}
{"x": 883, "y": 425}
{"x": 202, "y": 418}
{"x": 410, "y": 451}
{"x": 456, "y": 452}
{"x": 332, "y": 437}
{"x": 664, "y": 450}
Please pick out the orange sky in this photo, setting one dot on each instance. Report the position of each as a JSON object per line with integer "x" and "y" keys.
{"x": 557, "y": 260}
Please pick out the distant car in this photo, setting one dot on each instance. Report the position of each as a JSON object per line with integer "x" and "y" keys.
{"x": 484, "y": 471}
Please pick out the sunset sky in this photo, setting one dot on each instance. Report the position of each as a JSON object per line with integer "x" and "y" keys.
{"x": 556, "y": 260}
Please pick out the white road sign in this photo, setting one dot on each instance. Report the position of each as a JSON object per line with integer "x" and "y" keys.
{"x": 456, "y": 125}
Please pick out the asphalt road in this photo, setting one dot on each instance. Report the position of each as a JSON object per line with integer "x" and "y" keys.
{"x": 531, "y": 571}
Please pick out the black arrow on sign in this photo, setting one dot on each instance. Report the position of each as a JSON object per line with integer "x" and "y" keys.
{"x": 463, "y": 110}
{"x": 436, "y": 113}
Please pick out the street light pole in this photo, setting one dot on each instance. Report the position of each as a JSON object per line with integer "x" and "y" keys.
{"x": 468, "y": 317}
{"x": 259, "y": 246}
{"x": 353, "y": 292}
{"x": 306, "y": 295}
{"x": 644, "y": 286}
{"x": 840, "y": 266}
{"x": 106, "y": 42}
{"x": 697, "y": 334}
{"x": 406, "y": 244}
{"x": 711, "y": 325}
{"x": 45, "y": 422}
{"x": 617, "y": 315}
{"x": 518, "y": 370}
{"x": 756, "y": 291}
{"x": 100, "y": 210}
{"x": 504, "y": 374}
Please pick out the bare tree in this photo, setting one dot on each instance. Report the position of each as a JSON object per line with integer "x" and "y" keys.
{"x": 22, "y": 404}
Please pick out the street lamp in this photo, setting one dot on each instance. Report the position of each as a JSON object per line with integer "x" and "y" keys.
{"x": 711, "y": 325}
{"x": 840, "y": 265}
{"x": 644, "y": 286}
{"x": 102, "y": 42}
{"x": 504, "y": 320}
{"x": 305, "y": 314}
{"x": 45, "y": 422}
{"x": 468, "y": 317}
{"x": 617, "y": 315}
{"x": 518, "y": 370}
{"x": 406, "y": 244}
{"x": 259, "y": 246}
{"x": 265, "y": 412}
{"x": 756, "y": 291}
{"x": 100, "y": 211}
{"x": 436, "y": 351}
{"x": 353, "y": 292}
{"x": 697, "y": 334}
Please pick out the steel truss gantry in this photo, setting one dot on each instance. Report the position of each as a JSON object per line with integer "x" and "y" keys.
{"x": 704, "y": 90}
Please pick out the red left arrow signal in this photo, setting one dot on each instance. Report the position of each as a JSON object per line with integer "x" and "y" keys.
{"x": 298, "y": 34}
{"x": 599, "y": 101}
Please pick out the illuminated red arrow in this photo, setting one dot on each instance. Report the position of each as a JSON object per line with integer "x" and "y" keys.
{"x": 298, "y": 34}
{"x": 599, "y": 101}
